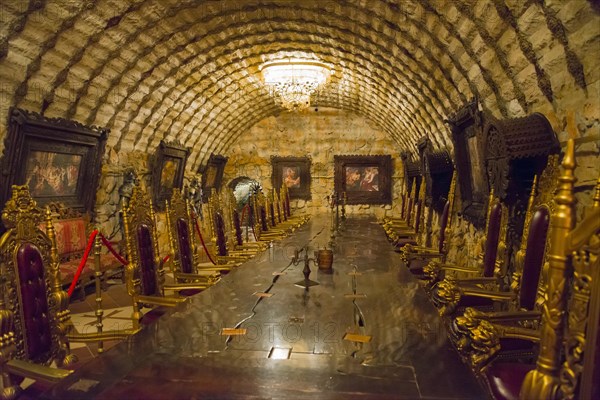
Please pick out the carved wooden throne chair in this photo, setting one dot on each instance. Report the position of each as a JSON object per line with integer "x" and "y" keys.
{"x": 567, "y": 334}
{"x": 414, "y": 233}
{"x": 34, "y": 315}
{"x": 406, "y": 221}
{"x": 526, "y": 288}
{"x": 236, "y": 238}
{"x": 449, "y": 294}
{"x": 414, "y": 256}
{"x": 180, "y": 228}
{"x": 521, "y": 304}
{"x": 224, "y": 238}
{"x": 145, "y": 274}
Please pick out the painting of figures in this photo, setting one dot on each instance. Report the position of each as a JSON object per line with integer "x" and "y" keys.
{"x": 52, "y": 174}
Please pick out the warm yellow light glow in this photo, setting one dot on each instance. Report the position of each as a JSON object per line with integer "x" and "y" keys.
{"x": 294, "y": 81}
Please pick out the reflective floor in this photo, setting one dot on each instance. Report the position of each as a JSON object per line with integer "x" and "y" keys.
{"x": 365, "y": 331}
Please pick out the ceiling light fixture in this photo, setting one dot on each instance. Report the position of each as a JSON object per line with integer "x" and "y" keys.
{"x": 294, "y": 81}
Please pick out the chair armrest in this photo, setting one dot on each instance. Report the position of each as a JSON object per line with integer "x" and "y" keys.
{"x": 425, "y": 254}
{"x": 36, "y": 371}
{"x": 77, "y": 337}
{"x": 232, "y": 259}
{"x": 207, "y": 276}
{"x": 489, "y": 294}
{"x": 161, "y": 301}
{"x": 456, "y": 268}
{"x": 518, "y": 332}
{"x": 177, "y": 287}
{"x": 477, "y": 280}
{"x": 513, "y": 316}
{"x": 240, "y": 253}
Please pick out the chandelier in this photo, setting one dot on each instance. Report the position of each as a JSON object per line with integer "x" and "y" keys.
{"x": 294, "y": 81}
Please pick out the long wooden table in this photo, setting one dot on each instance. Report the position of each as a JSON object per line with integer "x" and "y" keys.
{"x": 399, "y": 349}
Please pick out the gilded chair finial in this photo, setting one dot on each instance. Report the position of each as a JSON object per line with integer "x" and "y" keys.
{"x": 489, "y": 209}
{"x": 597, "y": 195}
{"x": 544, "y": 381}
{"x": 530, "y": 203}
{"x": 451, "y": 196}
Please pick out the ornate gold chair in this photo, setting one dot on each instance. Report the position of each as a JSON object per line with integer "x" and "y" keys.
{"x": 180, "y": 230}
{"x": 452, "y": 293}
{"x": 223, "y": 238}
{"x": 414, "y": 254}
{"x": 413, "y": 234}
{"x": 293, "y": 220}
{"x": 521, "y": 303}
{"x": 34, "y": 315}
{"x": 267, "y": 218}
{"x": 145, "y": 274}
{"x": 404, "y": 222}
{"x": 234, "y": 227}
{"x": 239, "y": 238}
{"x": 486, "y": 262}
{"x": 568, "y": 335}
{"x": 526, "y": 272}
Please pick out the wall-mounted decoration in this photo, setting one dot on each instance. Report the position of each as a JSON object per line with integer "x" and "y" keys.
{"x": 212, "y": 174}
{"x": 412, "y": 172}
{"x": 365, "y": 179}
{"x": 468, "y": 139}
{"x": 503, "y": 154}
{"x": 517, "y": 149}
{"x": 437, "y": 170}
{"x": 168, "y": 171}
{"x": 59, "y": 160}
{"x": 294, "y": 172}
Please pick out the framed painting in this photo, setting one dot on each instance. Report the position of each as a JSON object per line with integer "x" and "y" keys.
{"x": 212, "y": 174}
{"x": 59, "y": 160}
{"x": 365, "y": 179}
{"x": 168, "y": 170}
{"x": 294, "y": 172}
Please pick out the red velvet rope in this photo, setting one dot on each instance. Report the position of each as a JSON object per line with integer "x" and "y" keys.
{"x": 86, "y": 254}
{"x": 88, "y": 248}
{"x": 243, "y": 213}
{"x": 112, "y": 250}
{"x": 202, "y": 240}
{"x": 247, "y": 206}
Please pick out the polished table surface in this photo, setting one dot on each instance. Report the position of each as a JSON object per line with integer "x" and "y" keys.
{"x": 369, "y": 292}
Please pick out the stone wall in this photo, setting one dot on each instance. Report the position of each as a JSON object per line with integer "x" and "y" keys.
{"x": 321, "y": 135}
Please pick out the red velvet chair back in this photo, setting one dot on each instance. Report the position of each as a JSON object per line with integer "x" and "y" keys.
{"x": 492, "y": 239}
{"x": 238, "y": 227}
{"x": 147, "y": 260}
{"x": 220, "y": 233}
{"x": 272, "y": 209}
{"x": 34, "y": 308}
{"x": 263, "y": 219}
{"x": 534, "y": 257}
{"x": 185, "y": 251}
{"x": 33, "y": 293}
{"x": 288, "y": 209}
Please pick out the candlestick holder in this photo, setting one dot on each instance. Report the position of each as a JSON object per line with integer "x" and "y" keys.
{"x": 306, "y": 282}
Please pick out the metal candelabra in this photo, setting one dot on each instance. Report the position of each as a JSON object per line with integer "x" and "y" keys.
{"x": 306, "y": 282}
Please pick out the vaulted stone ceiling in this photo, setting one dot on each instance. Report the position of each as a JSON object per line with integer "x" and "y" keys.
{"x": 188, "y": 70}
